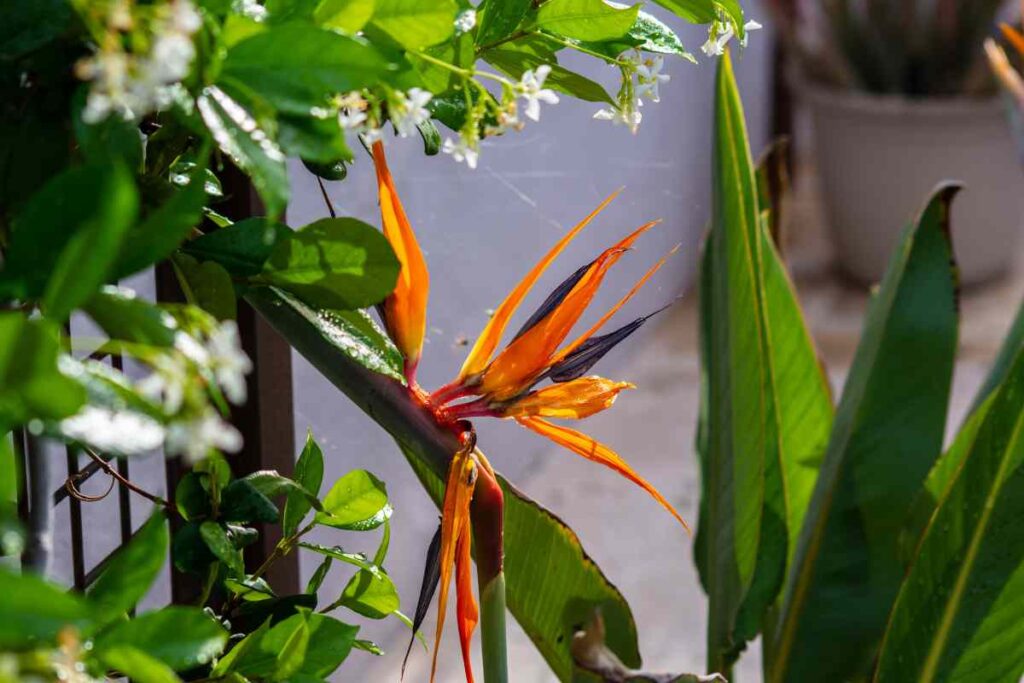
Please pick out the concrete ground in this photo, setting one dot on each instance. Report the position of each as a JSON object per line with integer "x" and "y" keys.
{"x": 640, "y": 547}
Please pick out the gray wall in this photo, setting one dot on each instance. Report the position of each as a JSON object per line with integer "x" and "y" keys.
{"x": 481, "y": 230}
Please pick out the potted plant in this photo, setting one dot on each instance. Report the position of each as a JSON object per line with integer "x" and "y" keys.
{"x": 900, "y": 98}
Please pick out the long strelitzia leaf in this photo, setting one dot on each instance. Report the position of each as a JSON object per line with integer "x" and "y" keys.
{"x": 766, "y": 409}
{"x": 552, "y": 584}
{"x": 959, "y": 616}
{"x": 887, "y": 435}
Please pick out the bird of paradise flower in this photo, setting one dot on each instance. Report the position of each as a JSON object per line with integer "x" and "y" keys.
{"x": 504, "y": 385}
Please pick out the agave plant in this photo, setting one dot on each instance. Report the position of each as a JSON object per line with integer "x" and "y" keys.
{"x": 911, "y": 47}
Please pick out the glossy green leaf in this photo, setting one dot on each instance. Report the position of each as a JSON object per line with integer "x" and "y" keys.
{"x": 243, "y": 502}
{"x": 958, "y": 614}
{"x": 31, "y": 386}
{"x": 415, "y": 24}
{"x": 137, "y": 666}
{"x": 316, "y": 579}
{"x": 188, "y": 550}
{"x": 122, "y": 315}
{"x": 133, "y": 568}
{"x": 358, "y": 501}
{"x": 766, "y": 408}
{"x": 33, "y": 611}
{"x": 694, "y": 11}
{"x": 183, "y": 171}
{"x": 297, "y": 66}
{"x": 499, "y": 18}
{"x": 270, "y": 653}
{"x": 515, "y": 60}
{"x": 348, "y": 16}
{"x": 338, "y": 263}
{"x": 29, "y": 25}
{"x": 330, "y": 642}
{"x": 431, "y": 137}
{"x": 190, "y": 498}
{"x": 242, "y": 248}
{"x": 333, "y": 171}
{"x": 291, "y": 650}
{"x": 206, "y": 285}
{"x": 552, "y": 583}
{"x": 180, "y": 637}
{"x": 238, "y": 135}
{"x": 166, "y": 227}
{"x": 317, "y": 139}
{"x": 309, "y": 473}
{"x": 64, "y": 241}
{"x": 586, "y": 19}
{"x": 893, "y": 409}
{"x": 1012, "y": 344}
{"x": 649, "y": 34}
{"x": 372, "y": 594}
{"x": 216, "y": 539}
{"x": 337, "y": 553}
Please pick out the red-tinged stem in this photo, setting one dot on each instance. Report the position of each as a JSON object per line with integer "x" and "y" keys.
{"x": 487, "y": 512}
{"x": 464, "y": 411}
{"x": 448, "y": 393}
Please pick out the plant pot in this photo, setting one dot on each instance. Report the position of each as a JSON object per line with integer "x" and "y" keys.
{"x": 879, "y": 157}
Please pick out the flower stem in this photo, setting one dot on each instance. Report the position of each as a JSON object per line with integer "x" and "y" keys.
{"x": 488, "y": 515}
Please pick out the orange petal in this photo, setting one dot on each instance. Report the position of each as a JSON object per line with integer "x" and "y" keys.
{"x": 466, "y": 610}
{"x": 489, "y": 339}
{"x": 576, "y": 399}
{"x": 454, "y": 524}
{"x": 531, "y": 353}
{"x": 1014, "y": 37}
{"x": 581, "y": 444}
{"x": 614, "y": 309}
{"x": 405, "y": 309}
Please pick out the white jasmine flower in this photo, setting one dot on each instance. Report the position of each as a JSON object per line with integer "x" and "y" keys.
{"x": 631, "y": 119}
{"x": 171, "y": 56}
{"x": 228, "y": 361}
{"x": 465, "y": 21}
{"x": 531, "y": 88}
{"x": 352, "y": 110}
{"x": 171, "y": 376}
{"x": 191, "y": 348}
{"x": 114, "y": 431}
{"x": 195, "y": 437}
{"x": 184, "y": 17}
{"x": 409, "y": 110}
{"x": 747, "y": 28}
{"x": 461, "y": 150}
{"x": 649, "y": 76}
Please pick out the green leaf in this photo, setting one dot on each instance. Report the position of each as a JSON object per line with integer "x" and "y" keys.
{"x": 319, "y": 574}
{"x": 309, "y": 473}
{"x": 371, "y": 594}
{"x": 958, "y": 613}
{"x": 358, "y": 501}
{"x": 243, "y": 502}
{"x": 275, "y": 653}
{"x": 238, "y": 135}
{"x": 319, "y": 140}
{"x": 694, "y": 11}
{"x": 64, "y": 241}
{"x": 291, "y": 650}
{"x": 216, "y": 539}
{"x": 298, "y": 66}
{"x": 250, "y": 589}
{"x": 122, "y": 315}
{"x": 499, "y": 18}
{"x": 552, "y": 583}
{"x": 336, "y": 553}
{"x": 31, "y": 386}
{"x": 33, "y": 611}
{"x": 137, "y": 665}
{"x": 132, "y": 569}
{"x": 189, "y": 551}
{"x": 333, "y": 171}
{"x": 515, "y": 60}
{"x": 431, "y": 137}
{"x": 29, "y": 25}
{"x": 648, "y": 33}
{"x": 183, "y": 171}
{"x": 207, "y": 285}
{"x": 894, "y": 405}
{"x": 586, "y": 19}
{"x": 163, "y": 229}
{"x": 415, "y": 24}
{"x": 348, "y": 16}
{"x": 242, "y": 248}
{"x": 334, "y": 263}
{"x": 180, "y": 637}
{"x": 1012, "y": 344}
{"x": 368, "y": 646}
{"x": 330, "y": 642}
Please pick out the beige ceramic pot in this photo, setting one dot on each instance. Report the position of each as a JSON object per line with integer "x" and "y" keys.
{"x": 879, "y": 157}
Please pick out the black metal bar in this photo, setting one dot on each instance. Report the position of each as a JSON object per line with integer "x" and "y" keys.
{"x": 84, "y": 475}
{"x": 77, "y": 541}
{"x": 18, "y": 441}
{"x": 123, "y": 494}
{"x": 40, "y": 514}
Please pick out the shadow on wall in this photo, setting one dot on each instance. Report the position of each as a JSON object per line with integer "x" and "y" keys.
{"x": 481, "y": 230}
